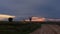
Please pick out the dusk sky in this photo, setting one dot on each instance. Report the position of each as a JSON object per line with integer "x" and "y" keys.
{"x": 26, "y": 8}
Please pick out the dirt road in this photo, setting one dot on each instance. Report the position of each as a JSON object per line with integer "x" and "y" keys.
{"x": 47, "y": 29}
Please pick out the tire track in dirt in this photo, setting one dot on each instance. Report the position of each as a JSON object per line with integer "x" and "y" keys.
{"x": 44, "y": 30}
{"x": 56, "y": 28}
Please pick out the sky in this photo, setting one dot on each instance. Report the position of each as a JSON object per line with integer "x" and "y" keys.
{"x": 27, "y": 8}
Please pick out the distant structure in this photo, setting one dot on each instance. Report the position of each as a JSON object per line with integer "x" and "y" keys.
{"x": 10, "y": 19}
{"x": 23, "y": 20}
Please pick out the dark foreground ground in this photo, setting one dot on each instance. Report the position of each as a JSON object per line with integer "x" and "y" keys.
{"x": 22, "y": 27}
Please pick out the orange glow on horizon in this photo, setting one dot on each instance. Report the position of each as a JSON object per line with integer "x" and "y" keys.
{"x": 37, "y": 19}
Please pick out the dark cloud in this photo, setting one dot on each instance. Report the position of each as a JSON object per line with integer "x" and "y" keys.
{"x": 26, "y": 8}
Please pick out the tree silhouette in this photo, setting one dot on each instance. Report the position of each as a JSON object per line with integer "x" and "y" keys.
{"x": 30, "y": 18}
{"x": 10, "y": 19}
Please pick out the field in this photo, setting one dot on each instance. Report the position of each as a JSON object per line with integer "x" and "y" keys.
{"x": 21, "y": 27}
{"x": 17, "y": 27}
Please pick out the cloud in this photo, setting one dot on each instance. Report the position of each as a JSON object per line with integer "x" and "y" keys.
{"x": 4, "y": 16}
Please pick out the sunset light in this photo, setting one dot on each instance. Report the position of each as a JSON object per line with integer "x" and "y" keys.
{"x": 4, "y": 16}
{"x": 37, "y": 19}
